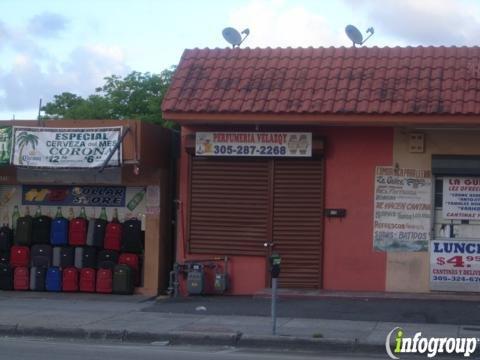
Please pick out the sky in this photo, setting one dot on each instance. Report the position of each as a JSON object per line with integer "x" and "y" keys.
{"x": 51, "y": 46}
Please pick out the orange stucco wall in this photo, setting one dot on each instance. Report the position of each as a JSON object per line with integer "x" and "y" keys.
{"x": 349, "y": 262}
{"x": 351, "y": 156}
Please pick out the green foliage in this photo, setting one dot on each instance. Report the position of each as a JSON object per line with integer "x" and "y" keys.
{"x": 135, "y": 96}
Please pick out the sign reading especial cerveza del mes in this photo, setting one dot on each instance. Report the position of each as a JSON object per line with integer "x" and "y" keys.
{"x": 402, "y": 215}
{"x": 65, "y": 147}
{"x": 5, "y": 144}
{"x": 461, "y": 198}
{"x": 455, "y": 265}
{"x": 274, "y": 144}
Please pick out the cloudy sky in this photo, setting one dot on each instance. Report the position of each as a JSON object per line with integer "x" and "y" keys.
{"x": 48, "y": 46}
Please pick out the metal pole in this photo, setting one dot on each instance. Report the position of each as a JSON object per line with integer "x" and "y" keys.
{"x": 274, "y": 306}
{"x": 116, "y": 147}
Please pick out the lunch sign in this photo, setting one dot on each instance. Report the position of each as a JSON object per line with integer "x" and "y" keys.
{"x": 66, "y": 147}
{"x": 267, "y": 144}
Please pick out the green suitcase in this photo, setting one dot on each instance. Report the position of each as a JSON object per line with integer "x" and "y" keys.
{"x": 123, "y": 280}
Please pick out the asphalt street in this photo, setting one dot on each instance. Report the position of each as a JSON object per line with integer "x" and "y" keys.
{"x": 34, "y": 349}
{"x": 369, "y": 309}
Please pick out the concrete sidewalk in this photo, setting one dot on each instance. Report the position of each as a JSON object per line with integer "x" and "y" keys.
{"x": 127, "y": 318}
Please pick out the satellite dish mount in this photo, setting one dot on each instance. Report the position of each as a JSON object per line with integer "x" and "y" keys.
{"x": 356, "y": 36}
{"x": 233, "y": 37}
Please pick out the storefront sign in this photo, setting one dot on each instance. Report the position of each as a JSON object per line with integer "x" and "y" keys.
{"x": 455, "y": 265}
{"x": 402, "y": 215}
{"x": 461, "y": 198}
{"x": 5, "y": 144}
{"x": 270, "y": 144}
{"x": 65, "y": 148}
{"x": 45, "y": 195}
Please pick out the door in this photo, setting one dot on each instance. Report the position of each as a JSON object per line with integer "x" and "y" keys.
{"x": 297, "y": 227}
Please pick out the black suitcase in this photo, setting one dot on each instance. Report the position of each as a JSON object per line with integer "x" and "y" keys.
{"x": 6, "y": 238}
{"x": 89, "y": 258}
{"x": 6, "y": 277}
{"x": 41, "y": 255}
{"x": 132, "y": 236}
{"x": 107, "y": 259}
{"x": 98, "y": 235}
{"x": 67, "y": 257}
{"x": 23, "y": 232}
{"x": 5, "y": 257}
{"x": 37, "y": 278}
{"x": 123, "y": 280}
{"x": 41, "y": 229}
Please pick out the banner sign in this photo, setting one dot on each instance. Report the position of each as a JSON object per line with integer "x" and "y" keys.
{"x": 55, "y": 195}
{"x": 5, "y": 144}
{"x": 65, "y": 147}
{"x": 270, "y": 144}
{"x": 455, "y": 265}
{"x": 403, "y": 209}
{"x": 461, "y": 198}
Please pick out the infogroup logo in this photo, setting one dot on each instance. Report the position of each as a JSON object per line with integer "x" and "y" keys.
{"x": 430, "y": 346}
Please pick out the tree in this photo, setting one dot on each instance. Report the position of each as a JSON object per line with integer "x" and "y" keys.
{"x": 25, "y": 139}
{"x": 136, "y": 96}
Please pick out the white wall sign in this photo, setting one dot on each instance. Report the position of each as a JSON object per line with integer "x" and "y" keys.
{"x": 455, "y": 265}
{"x": 403, "y": 207}
{"x": 267, "y": 144}
{"x": 65, "y": 147}
{"x": 461, "y": 198}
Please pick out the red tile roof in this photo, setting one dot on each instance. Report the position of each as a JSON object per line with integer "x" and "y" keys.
{"x": 411, "y": 80}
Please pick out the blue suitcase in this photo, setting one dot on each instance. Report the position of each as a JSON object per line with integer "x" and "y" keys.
{"x": 53, "y": 280}
{"x": 59, "y": 232}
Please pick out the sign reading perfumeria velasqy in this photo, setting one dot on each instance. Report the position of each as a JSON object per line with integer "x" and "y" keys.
{"x": 65, "y": 147}
{"x": 402, "y": 209}
{"x": 267, "y": 144}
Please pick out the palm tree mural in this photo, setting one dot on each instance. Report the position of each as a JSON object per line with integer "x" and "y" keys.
{"x": 25, "y": 139}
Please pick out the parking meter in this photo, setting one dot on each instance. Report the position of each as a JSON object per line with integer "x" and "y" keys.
{"x": 275, "y": 261}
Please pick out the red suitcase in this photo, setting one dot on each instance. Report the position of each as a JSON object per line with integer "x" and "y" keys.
{"x": 21, "y": 278}
{"x": 104, "y": 281}
{"x": 19, "y": 256}
{"x": 70, "y": 279}
{"x": 87, "y": 280}
{"x": 77, "y": 232}
{"x": 132, "y": 261}
{"x": 113, "y": 236}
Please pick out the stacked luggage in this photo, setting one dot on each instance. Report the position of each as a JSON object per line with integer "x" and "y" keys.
{"x": 56, "y": 255}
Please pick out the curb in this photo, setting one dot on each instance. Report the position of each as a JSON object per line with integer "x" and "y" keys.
{"x": 194, "y": 338}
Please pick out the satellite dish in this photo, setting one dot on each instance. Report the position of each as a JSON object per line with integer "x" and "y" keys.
{"x": 356, "y": 36}
{"x": 233, "y": 37}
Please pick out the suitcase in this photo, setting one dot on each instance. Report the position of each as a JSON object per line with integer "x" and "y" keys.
{"x": 6, "y": 238}
{"x": 19, "y": 256}
{"x": 78, "y": 257}
{"x": 37, "y": 278}
{"x": 67, "y": 257}
{"x": 41, "y": 255}
{"x": 5, "y": 258}
{"x": 77, "y": 232}
{"x": 98, "y": 233}
{"x": 21, "y": 278}
{"x": 104, "y": 281}
{"x": 59, "y": 232}
{"x": 87, "y": 280}
{"x": 6, "y": 277}
{"x": 132, "y": 261}
{"x": 23, "y": 232}
{"x": 89, "y": 259}
{"x": 53, "y": 281}
{"x": 107, "y": 259}
{"x": 41, "y": 227}
{"x": 132, "y": 236}
{"x": 70, "y": 279}
{"x": 123, "y": 281}
{"x": 113, "y": 236}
